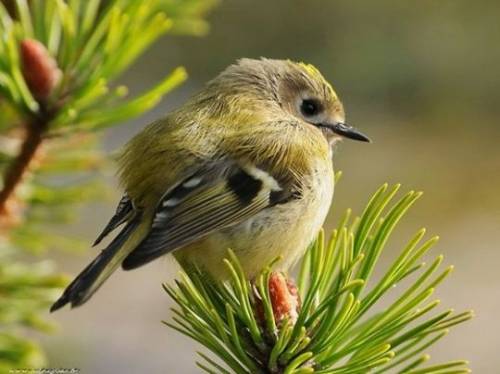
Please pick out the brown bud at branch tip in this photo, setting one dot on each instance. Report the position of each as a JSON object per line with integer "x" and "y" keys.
{"x": 39, "y": 69}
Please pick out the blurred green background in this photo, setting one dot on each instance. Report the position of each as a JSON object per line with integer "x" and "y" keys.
{"x": 420, "y": 77}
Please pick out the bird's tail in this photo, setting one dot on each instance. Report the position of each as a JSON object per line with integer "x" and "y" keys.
{"x": 94, "y": 275}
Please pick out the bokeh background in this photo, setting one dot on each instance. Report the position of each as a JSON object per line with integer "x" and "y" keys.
{"x": 420, "y": 77}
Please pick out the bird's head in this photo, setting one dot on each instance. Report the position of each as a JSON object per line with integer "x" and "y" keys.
{"x": 276, "y": 86}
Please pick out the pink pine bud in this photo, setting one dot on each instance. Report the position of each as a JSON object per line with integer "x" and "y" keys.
{"x": 39, "y": 69}
{"x": 285, "y": 299}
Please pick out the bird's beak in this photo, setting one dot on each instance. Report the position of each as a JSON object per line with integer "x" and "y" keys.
{"x": 346, "y": 131}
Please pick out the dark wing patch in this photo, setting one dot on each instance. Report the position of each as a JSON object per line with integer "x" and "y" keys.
{"x": 244, "y": 186}
{"x": 223, "y": 197}
{"x": 123, "y": 212}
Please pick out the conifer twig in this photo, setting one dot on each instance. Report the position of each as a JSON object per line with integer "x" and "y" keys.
{"x": 259, "y": 326}
{"x": 13, "y": 174}
{"x": 59, "y": 63}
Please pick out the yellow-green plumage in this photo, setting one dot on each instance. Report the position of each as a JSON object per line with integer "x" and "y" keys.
{"x": 231, "y": 116}
{"x": 245, "y": 164}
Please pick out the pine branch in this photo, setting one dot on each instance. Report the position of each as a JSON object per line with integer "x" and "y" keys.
{"x": 59, "y": 64}
{"x": 13, "y": 175}
{"x": 56, "y": 74}
{"x": 262, "y": 325}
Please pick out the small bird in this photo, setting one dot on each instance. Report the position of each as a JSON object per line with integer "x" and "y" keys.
{"x": 245, "y": 164}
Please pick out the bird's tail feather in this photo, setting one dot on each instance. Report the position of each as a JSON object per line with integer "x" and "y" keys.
{"x": 94, "y": 275}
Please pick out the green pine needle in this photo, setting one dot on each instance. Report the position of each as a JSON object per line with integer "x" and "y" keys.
{"x": 339, "y": 328}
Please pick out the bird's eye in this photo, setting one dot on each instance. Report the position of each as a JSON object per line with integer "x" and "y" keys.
{"x": 310, "y": 107}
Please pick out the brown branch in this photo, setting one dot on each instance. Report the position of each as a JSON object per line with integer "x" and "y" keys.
{"x": 15, "y": 172}
{"x": 41, "y": 74}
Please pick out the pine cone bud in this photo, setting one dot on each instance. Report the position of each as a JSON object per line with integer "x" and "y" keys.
{"x": 284, "y": 298}
{"x": 39, "y": 69}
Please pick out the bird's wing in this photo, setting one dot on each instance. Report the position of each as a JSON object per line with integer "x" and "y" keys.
{"x": 123, "y": 213}
{"x": 210, "y": 199}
